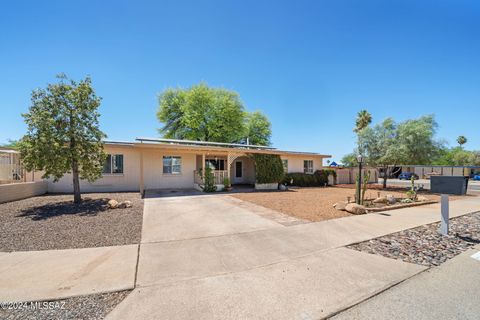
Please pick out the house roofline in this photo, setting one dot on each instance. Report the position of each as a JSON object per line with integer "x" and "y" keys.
{"x": 153, "y": 143}
{"x": 204, "y": 143}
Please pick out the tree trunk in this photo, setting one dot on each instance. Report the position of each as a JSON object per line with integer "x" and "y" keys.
{"x": 385, "y": 177}
{"x": 77, "y": 197}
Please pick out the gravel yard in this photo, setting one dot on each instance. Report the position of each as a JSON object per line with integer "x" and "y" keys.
{"x": 55, "y": 222}
{"x": 424, "y": 245}
{"x": 316, "y": 204}
{"x": 91, "y": 307}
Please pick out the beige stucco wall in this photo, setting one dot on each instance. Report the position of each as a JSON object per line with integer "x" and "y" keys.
{"x": 295, "y": 162}
{"x": 153, "y": 170}
{"x": 128, "y": 181}
{"x": 248, "y": 171}
{"x": 17, "y": 191}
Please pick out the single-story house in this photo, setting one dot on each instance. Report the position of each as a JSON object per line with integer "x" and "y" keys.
{"x": 147, "y": 164}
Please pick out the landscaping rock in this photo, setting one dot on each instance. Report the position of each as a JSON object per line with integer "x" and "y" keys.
{"x": 391, "y": 199}
{"x": 381, "y": 200}
{"x": 422, "y": 198}
{"x": 124, "y": 204}
{"x": 112, "y": 204}
{"x": 424, "y": 245}
{"x": 340, "y": 205}
{"x": 355, "y": 208}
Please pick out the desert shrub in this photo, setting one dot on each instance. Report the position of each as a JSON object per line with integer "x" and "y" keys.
{"x": 226, "y": 182}
{"x": 268, "y": 168}
{"x": 209, "y": 185}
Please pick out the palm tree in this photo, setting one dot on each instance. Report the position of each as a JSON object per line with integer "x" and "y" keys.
{"x": 364, "y": 118}
{"x": 461, "y": 140}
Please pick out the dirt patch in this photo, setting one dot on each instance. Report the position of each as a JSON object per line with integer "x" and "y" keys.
{"x": 316, "y": 204}
{"x": 95, "y": 306}
{"x": 55, "y": 222}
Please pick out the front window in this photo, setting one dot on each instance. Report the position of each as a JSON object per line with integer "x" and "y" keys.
{"x": 285, "y": 165}
{"x": 308, "y": 166}
{"x": 215, "y": 164}
{"x": 113, "y": 164}
{"x": 172, "y": 165}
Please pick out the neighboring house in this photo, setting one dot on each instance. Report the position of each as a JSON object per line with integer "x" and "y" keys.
{"x": 11, "y": 170}
{"x": 170, "y": 164}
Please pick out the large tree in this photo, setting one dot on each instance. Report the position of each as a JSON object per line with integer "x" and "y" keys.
{"x": 210, "y": 114}
{"x": 63, "y": 134}
{"x": 388, "y": 144}
{"x": 377, "y": 145}
{"x": 258, "y": 129}
{"x": 457, "y": 156}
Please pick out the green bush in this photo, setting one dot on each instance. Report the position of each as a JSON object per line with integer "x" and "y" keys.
{"x": 209, "y": 185}
{"x": 268, "y": 168}
{"x": 300, "y": 179}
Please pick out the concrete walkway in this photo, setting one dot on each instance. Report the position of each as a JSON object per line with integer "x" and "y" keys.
{"x": 57, "y": 274}
{"x": 448, "y": 292}
{"x": 257, "y": 267}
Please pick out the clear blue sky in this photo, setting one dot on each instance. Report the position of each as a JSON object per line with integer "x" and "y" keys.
{"x": 309, "y": 65}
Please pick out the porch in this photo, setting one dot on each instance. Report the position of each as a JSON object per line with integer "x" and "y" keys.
{"x": 239, "y": 169}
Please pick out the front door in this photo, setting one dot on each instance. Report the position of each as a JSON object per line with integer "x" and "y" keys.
{"x": 238, "y": 173}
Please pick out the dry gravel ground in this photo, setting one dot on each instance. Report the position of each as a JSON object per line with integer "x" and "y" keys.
{"x": 316, "y": 204}
{"x": 95, "y": 306}
{"x": 424, "y": 245}
{"x": 55, "y": 222}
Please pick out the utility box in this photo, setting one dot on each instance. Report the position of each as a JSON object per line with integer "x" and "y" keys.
{"x": 449, "y": 184}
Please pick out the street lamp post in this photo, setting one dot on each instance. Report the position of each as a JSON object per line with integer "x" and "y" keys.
{"x": 360, "y": 160}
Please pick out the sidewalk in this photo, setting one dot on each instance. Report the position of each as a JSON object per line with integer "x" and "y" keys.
{"x": 56, "y": 274}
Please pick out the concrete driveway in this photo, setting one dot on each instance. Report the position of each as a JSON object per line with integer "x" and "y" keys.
{"x": 192, "y": 217}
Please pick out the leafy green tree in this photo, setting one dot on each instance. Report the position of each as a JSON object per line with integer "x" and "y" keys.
{"x": 387, "y": 145}
{"x": 461, "y": 140}
{"x": 378, "y": 145}
{"x": 11, "y": 144}
{"x": 349, "y": 160}
{"x": 259, "y": 129}
{"x": 474, "y": 159}
{"x": 416, "y": 141}
{"x": 209, "y": 114}
{"x": 63, "y": 134}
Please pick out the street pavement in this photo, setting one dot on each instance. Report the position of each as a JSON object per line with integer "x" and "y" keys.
{"x": 450, "y": 291}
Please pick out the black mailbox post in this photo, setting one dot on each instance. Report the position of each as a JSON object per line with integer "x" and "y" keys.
{"x": 449, "y": 184}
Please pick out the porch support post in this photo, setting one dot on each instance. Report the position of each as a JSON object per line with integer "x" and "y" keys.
{"x": 203, "y": 167}
{"x": 228, "y": 167}
{"x": 142, "y": 184}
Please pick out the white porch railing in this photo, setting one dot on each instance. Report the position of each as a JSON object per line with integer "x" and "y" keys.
{"x": 218, "y": 176}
